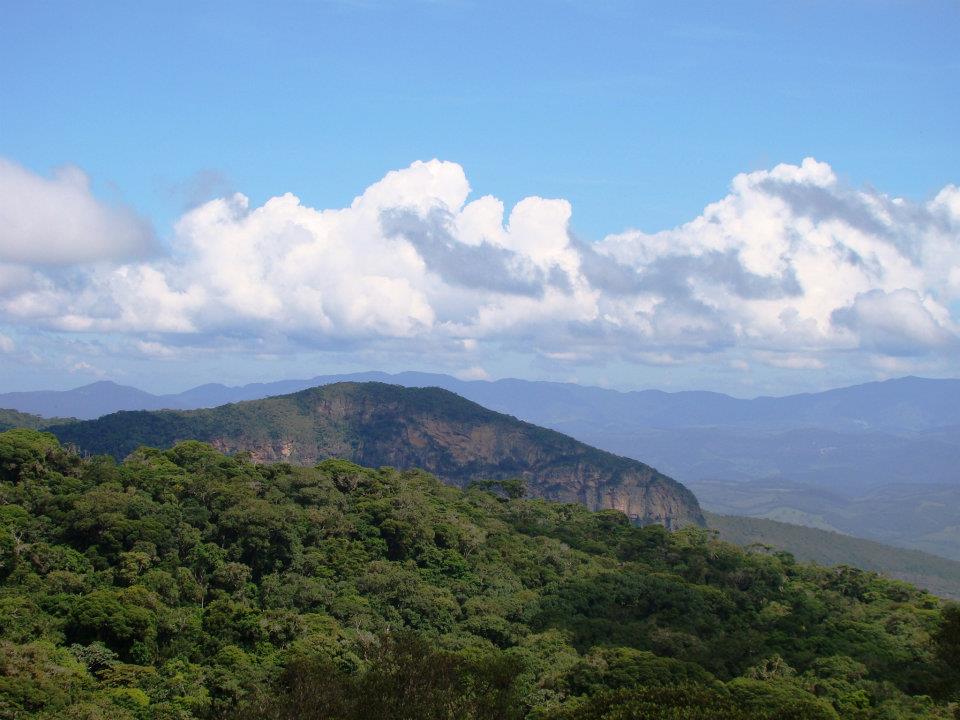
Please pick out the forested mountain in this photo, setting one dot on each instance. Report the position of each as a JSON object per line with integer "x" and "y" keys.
{"x": 936, "y": 574}
{"x": 377, "y": 424}
{"x": 186, "y": 584}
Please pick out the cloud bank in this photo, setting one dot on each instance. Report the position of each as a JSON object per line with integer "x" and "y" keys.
{"x": 792, "y": 269}
{"x": 57, "y": 221}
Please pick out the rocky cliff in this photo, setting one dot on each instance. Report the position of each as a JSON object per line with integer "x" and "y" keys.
{"x": 377, "y": 424}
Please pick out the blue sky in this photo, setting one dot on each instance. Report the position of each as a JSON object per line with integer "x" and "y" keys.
{"x": 638, "y": 115}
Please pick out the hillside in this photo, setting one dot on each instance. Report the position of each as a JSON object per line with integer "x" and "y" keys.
{"x": 376, "y": 424}
{"x": 938, "y": 575}
{"x": 189, "y": 585}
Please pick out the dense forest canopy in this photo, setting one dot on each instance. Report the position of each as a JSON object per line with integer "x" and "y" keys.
{"x": 186, "y": 584}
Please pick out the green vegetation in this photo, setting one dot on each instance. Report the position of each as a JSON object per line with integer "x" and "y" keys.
{"x": 936, "y": 574}
{"x": 13, "y": 419}
{"x": 189, "y": 584}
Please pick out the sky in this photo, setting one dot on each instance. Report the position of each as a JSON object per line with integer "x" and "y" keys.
{"x": 750, "y": 197}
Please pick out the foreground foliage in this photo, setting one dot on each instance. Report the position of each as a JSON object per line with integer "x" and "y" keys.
{"x": 188, "y": 584}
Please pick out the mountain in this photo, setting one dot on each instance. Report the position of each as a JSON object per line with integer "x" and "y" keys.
{"x": 931, "y": 572}
{"x": 89, "y": 401}
{"x": 378, "y": 424}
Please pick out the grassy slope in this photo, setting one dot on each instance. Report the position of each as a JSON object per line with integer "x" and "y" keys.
{"x": 936, "y": 574}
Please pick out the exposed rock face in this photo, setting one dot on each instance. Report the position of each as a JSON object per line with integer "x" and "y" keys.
{"x": 376, "y": 424}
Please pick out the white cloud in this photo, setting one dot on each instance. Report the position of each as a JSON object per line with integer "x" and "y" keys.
{"x": 153, "y": 349}
{"x": 7, "y": 345}
{"x": 790, "y": 267}
{"x": 58, "y": 221}
{"x": 900, "y": 322}
{"x": 804, "y": 249}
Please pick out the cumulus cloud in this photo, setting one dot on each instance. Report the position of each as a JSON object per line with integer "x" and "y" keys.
{"x": 58, "y": 221}
{"x": 791, "y": 267}
{"x": 898, "y": 323}
{"x": 799, "y": 251}
{"x": 483, "y": 266}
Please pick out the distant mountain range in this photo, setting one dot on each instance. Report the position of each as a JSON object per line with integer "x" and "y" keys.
{"x": 908, "y": 404}
{"x": 376, "y": 424}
